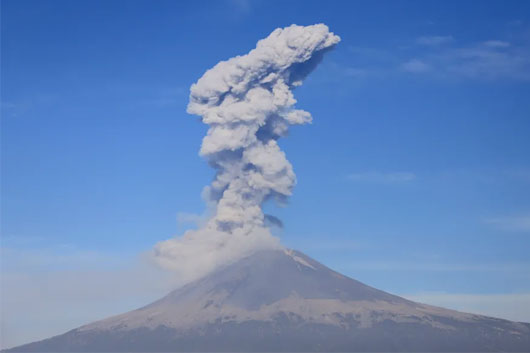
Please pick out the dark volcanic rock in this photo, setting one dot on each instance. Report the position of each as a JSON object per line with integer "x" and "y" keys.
{"x": 285, "y": 301}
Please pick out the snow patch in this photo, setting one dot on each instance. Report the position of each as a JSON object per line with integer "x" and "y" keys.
{"x": 298, "y": 259}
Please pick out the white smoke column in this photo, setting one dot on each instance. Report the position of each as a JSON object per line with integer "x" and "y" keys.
{"x": 248, "y": 104}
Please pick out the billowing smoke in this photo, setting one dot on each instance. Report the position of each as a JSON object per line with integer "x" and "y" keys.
{"x": 248, "y": 104}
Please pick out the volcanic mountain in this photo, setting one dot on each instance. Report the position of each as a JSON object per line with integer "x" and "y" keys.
{"x": 282, "y": 300}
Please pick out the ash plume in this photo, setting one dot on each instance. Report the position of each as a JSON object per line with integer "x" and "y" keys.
{"x": 248, "y": 103}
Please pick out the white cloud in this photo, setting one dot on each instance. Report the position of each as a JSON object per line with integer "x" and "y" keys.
{"x": 382, "y": 177}
{"x": 434, "y": 40}
{"x": 355, "y": 72}
{"x": 492, "y": 59}
{"x": 486, "y": 61}
{"x": 512, "y": 224}
{"x": 496, "y": 44}
{"x": 415, "y": 66}
{"x": 242, "y": 6}
{"x": 445, "y": 57}
{"x": 515, "y": 307}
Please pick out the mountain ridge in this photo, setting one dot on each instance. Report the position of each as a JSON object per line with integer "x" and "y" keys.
{"x": 283, "y": 300}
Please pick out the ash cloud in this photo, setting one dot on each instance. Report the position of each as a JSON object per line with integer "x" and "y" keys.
{"x": 248, "y": 103}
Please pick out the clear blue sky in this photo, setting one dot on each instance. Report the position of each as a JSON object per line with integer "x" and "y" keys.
{"x": 414, "y": 176}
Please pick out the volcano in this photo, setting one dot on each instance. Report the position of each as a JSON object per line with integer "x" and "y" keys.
{"x": 284, "y": 301}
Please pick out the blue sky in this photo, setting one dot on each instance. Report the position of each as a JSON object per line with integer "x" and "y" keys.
{"x": 414, "y": 176}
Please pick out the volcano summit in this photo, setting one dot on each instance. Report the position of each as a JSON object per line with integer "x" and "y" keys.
{"x": 284, "y": 301}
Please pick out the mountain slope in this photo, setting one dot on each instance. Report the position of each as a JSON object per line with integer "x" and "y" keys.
{"x": 285, "y": 301}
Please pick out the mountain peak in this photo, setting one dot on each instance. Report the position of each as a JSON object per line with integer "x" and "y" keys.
{"x": 270, "y": 275}
{"x": 283, "y": 300}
